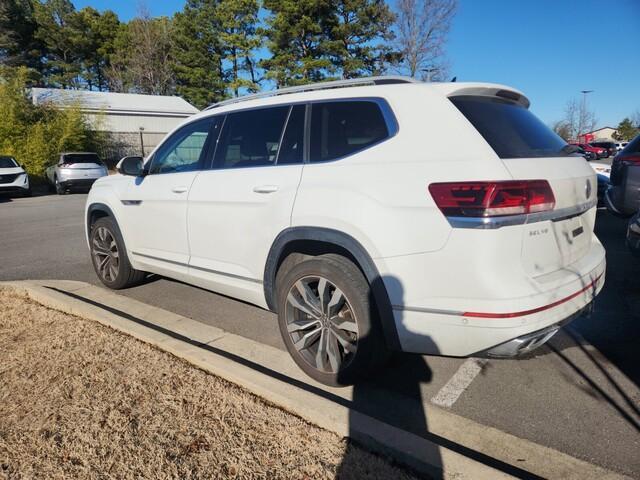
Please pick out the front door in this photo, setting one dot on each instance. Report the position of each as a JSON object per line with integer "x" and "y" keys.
{"x": 156, "y": 204}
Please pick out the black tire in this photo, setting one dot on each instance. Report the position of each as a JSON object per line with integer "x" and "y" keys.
{"x": 342, "y": 274}
{"x": 60, "y": 190}
{"x": 125, "y": 275}
{"x": 28, "y": 192}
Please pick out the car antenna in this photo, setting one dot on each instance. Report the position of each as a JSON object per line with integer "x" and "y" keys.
{"x": 454, "y": 79}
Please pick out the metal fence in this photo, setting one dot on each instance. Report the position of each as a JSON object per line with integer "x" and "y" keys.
{"x": 122, "y": 144}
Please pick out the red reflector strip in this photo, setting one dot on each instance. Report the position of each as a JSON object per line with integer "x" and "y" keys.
{"x": 533, "y": 310}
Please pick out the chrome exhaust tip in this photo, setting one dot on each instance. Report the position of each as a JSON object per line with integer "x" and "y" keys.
{"x": 524, "y": 344}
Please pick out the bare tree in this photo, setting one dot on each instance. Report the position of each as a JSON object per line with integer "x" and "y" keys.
{"x": 635, "y": 118}
{"x": 422, "y": 29}
{"x": 578, "y": 119}
{"x": 563, "y": 129}
{"x": 144, "y": 62}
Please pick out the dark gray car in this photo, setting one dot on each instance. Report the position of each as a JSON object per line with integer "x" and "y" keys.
{"x": 623, "y": 196}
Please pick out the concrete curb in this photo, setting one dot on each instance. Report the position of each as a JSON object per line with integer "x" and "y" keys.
{"x": 458, "y": 449}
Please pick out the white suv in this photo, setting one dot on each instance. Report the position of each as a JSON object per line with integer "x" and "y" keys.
{"x": 344, "y": 208}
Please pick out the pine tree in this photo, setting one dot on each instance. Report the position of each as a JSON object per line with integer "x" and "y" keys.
{"x": 626, "y": 130}
{"x": 237, "y": 20}
{"x": 299, "y": 38}
{"x": 199, "y": 54}
{"x": 359, "y": 39}
{"x": 97, "y": 33}
{"x": 18, "y": 43}
{"x": 55, "y": 20}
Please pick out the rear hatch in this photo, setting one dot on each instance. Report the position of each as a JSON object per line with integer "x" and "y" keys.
{"x": 532, "y": 151}
{"x": 82, "y": 166}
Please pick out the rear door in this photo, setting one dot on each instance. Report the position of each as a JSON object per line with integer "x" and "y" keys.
{"x": 532, "y": 151}
{"x": 239, "y": 206}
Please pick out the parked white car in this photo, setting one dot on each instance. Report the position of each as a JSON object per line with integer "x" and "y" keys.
{"x": 13, "y": 178}
{"x": 343, "y": 208}
{"x": 75, "y": 170}
{"x": 621, "y": 145}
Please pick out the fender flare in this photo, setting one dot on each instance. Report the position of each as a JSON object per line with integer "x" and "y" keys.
{"x": 345, "y": 242}
{"x": 97, "y": 207}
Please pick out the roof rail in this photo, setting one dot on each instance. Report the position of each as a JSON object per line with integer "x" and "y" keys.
{"x": 351, "y": 82}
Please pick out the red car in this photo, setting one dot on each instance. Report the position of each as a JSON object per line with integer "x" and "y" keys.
{"x": 597, "y": 151}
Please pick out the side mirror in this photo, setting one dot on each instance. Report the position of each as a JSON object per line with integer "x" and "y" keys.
{"x": 132, "y": 166}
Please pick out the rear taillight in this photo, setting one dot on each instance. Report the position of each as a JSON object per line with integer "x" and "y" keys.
{"x": 492, "y": 199}
{"x": 630, "y": 160}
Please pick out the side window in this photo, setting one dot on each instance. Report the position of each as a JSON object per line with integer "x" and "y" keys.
{"x": 251, "y": 138}
{"x": 342, "y": 128}
{"x": 291, "y": 150}
{"x": 182, "y": 152}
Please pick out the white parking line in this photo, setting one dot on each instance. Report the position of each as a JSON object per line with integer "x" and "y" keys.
{"x": 449, "y": 394}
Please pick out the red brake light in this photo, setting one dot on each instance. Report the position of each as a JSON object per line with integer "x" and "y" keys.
{"x": 491, "y": 199}
{"x": 631, "y": 159}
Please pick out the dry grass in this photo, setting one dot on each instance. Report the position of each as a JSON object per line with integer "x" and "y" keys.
{"x": 80, "y": 400}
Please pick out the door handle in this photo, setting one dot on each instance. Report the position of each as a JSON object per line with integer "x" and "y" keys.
{"x": 180, "y": 189}
{"x": 266, "y": 189}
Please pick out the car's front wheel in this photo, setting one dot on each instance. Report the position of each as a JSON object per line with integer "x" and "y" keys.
{"x": 109, "y": 256}
{"x": 328, "y": 320}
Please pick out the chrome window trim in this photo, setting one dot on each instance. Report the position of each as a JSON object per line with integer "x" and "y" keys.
{"x": 490, "y": 223}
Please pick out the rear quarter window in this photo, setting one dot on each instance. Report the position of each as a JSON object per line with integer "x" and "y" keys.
{"x": 510, "y": 129}
{"x": 342, "y": 128}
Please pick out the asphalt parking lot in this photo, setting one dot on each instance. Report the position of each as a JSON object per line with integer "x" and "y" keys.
{"x": 579, "y": 395}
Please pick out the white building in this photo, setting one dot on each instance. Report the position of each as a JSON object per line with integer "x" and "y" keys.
{"x": 136, "y": 123}
{"x": 604, "y": 133}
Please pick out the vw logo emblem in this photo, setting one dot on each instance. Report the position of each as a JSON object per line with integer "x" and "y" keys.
{"x": 587, "y": 189}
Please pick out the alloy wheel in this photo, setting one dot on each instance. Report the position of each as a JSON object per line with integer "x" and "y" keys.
{"x": 105, "y": 254}
{"x": 321, "y": 324}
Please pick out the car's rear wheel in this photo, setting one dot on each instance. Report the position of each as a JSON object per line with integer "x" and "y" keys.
{"x": 109, "y": 256}
{"x": 328, "y": 320}
{"x": 60, "y": 190}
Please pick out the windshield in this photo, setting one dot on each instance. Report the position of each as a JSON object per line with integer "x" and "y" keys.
{"x": 72, "y": 158}
{"x": 7, "y": 162}
{"x": 511, "y": 129}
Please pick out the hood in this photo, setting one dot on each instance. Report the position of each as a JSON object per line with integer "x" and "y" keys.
{"x": 11, "y": 171}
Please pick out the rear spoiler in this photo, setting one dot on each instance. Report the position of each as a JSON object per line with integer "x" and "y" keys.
{"x": 496, "y": 91}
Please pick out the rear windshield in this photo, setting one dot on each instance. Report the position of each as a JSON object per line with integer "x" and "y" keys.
{"x": 7, "y": 162}
{"x": 81, "y": 158}
{"x": 511, "y": 129}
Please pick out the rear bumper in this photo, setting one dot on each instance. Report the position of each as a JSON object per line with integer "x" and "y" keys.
{"x": 457, "y": 326}
{"x": 78, "y": 183}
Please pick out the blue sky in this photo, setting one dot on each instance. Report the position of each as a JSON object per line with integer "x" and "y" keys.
{"x": 549, "y": 49}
